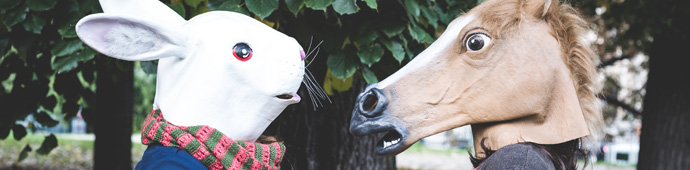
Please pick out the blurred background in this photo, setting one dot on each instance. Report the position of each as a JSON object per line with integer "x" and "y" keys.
{"x": 64, "y": 106}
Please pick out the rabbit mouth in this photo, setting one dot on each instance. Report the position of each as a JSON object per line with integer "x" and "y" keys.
{"x": 285, "y": 96}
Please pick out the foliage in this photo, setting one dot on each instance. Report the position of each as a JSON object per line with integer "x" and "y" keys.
{"x": 48, "y": 73}
{"x": 45, "y": 70}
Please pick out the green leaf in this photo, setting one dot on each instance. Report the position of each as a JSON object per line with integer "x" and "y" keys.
{"x": 198, "y": 10}
{"x": 412, "y": 7}
{"x": 90, "y": 7}
{"x": 410, "y": 55}
{"x": 34, "y": 24}
{"x": 294, "y": 5}
{"x": 341, "y": 85}
{"x": 318, "y": 4}
{"x": 372, "y": 4}
{"x": 192, "y": 3}
{"x": 179, "y": 8}
{"x": 420, "y": 35}
{"x": 24, "y": 153}
{"x": 15, "y": 16}
{"x": 430, "y": 15}
{"x": 63, "y": 64}
{"x": 8, "y": 4}
{"x": 41, "y": 5}
{"x": 67, "y": 63}
{"x": 450, "y": 14}
{"x": 262, "y": 8}
{"x": 87, "y": 54}
{"x": 213, "y": 4}
{"x": 396, "y": 48}
{"x": 49, "y": 143}
{"x": 149, "y": 67}
{"x": 68, "y": 31}
{"x": 369, "y": 76}
{"x": 364, "y": 35}
{"x": 343, "y": 63}
{"x": 231, "y": 5}
{"x": 18, "y": 131}
{"x": 344, "y": 7}
{"x": 45, "y": 119}
{"x": 4, "y": 47}
{"x": 392, "y": 28}
{"x": 63, "y": 48}
{"x": 370, "y": 54}
{"x": 332, "y": 83}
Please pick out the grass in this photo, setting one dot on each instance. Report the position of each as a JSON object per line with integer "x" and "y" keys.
{"x": 72, "y": 152}
{"x": 419, "y": 148}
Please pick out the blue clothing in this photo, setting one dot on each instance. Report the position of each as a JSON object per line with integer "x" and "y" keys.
{"x": 158, "y": 156}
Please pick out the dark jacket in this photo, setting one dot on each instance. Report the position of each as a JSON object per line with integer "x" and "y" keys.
{"x": 518, "y": 157}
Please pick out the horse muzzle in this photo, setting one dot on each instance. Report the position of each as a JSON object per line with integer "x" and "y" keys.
{"x": 369, "y": 117}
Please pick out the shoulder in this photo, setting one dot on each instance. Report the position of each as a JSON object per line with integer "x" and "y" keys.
{"x": 162, "y": 157}
{"x": 518, "y": 156}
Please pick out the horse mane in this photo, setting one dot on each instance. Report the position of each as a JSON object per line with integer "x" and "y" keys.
{"x": 569, "y": 28}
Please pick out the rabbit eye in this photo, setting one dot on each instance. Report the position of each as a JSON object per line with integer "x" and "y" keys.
{"x": 242, "y": 52}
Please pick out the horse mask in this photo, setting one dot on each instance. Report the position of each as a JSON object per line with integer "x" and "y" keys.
{"x": 515, "y": 70}
{"x": 221, "y": 69}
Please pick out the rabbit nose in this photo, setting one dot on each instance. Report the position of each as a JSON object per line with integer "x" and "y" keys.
{"x": 301, "y": 53}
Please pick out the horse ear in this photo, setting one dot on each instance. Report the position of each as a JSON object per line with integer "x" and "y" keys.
{"x": 547, "y": 5}
{"x": 130, "y": 38}
{"x": 538, "y": 8}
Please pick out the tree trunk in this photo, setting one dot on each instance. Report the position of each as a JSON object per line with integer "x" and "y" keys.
{"x": 114, "y": 107}
{"x": 321, "y": 139}
{"x": 665, "y": 138}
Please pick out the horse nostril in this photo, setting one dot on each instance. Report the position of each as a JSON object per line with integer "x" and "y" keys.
{"x": 370, "y": 102}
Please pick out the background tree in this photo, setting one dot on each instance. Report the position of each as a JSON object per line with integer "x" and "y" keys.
{"x": 658, "y": 29}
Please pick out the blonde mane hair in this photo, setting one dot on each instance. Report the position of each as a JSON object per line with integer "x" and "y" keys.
{"x": 568, "y": 28}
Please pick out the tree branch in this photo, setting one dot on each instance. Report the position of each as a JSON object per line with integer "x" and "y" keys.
{"x": 621, "y": 104}
{"x": 613, "y": 60}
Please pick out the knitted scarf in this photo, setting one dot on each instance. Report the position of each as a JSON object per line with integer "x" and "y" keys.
{"x": 211, "y": 147}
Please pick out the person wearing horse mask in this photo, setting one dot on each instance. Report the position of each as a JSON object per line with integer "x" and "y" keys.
{"x": 517, "y": 71}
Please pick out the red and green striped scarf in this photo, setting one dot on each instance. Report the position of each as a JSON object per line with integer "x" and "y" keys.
{"x": 212, "y": 147}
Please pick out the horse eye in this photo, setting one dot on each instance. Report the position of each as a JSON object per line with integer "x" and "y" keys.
{"x": 477, "y": 42}
{"x": 242, "y": 52}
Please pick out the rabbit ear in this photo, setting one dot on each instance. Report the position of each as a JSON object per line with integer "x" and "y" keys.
{"x": 142, "y": 8}
{"x": 132, "y": 39}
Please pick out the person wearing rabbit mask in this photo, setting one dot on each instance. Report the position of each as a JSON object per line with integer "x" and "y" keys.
{"x": 223, "y": 77}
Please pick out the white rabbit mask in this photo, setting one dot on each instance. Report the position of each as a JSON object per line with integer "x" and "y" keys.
{"x": 221, "y": 69}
